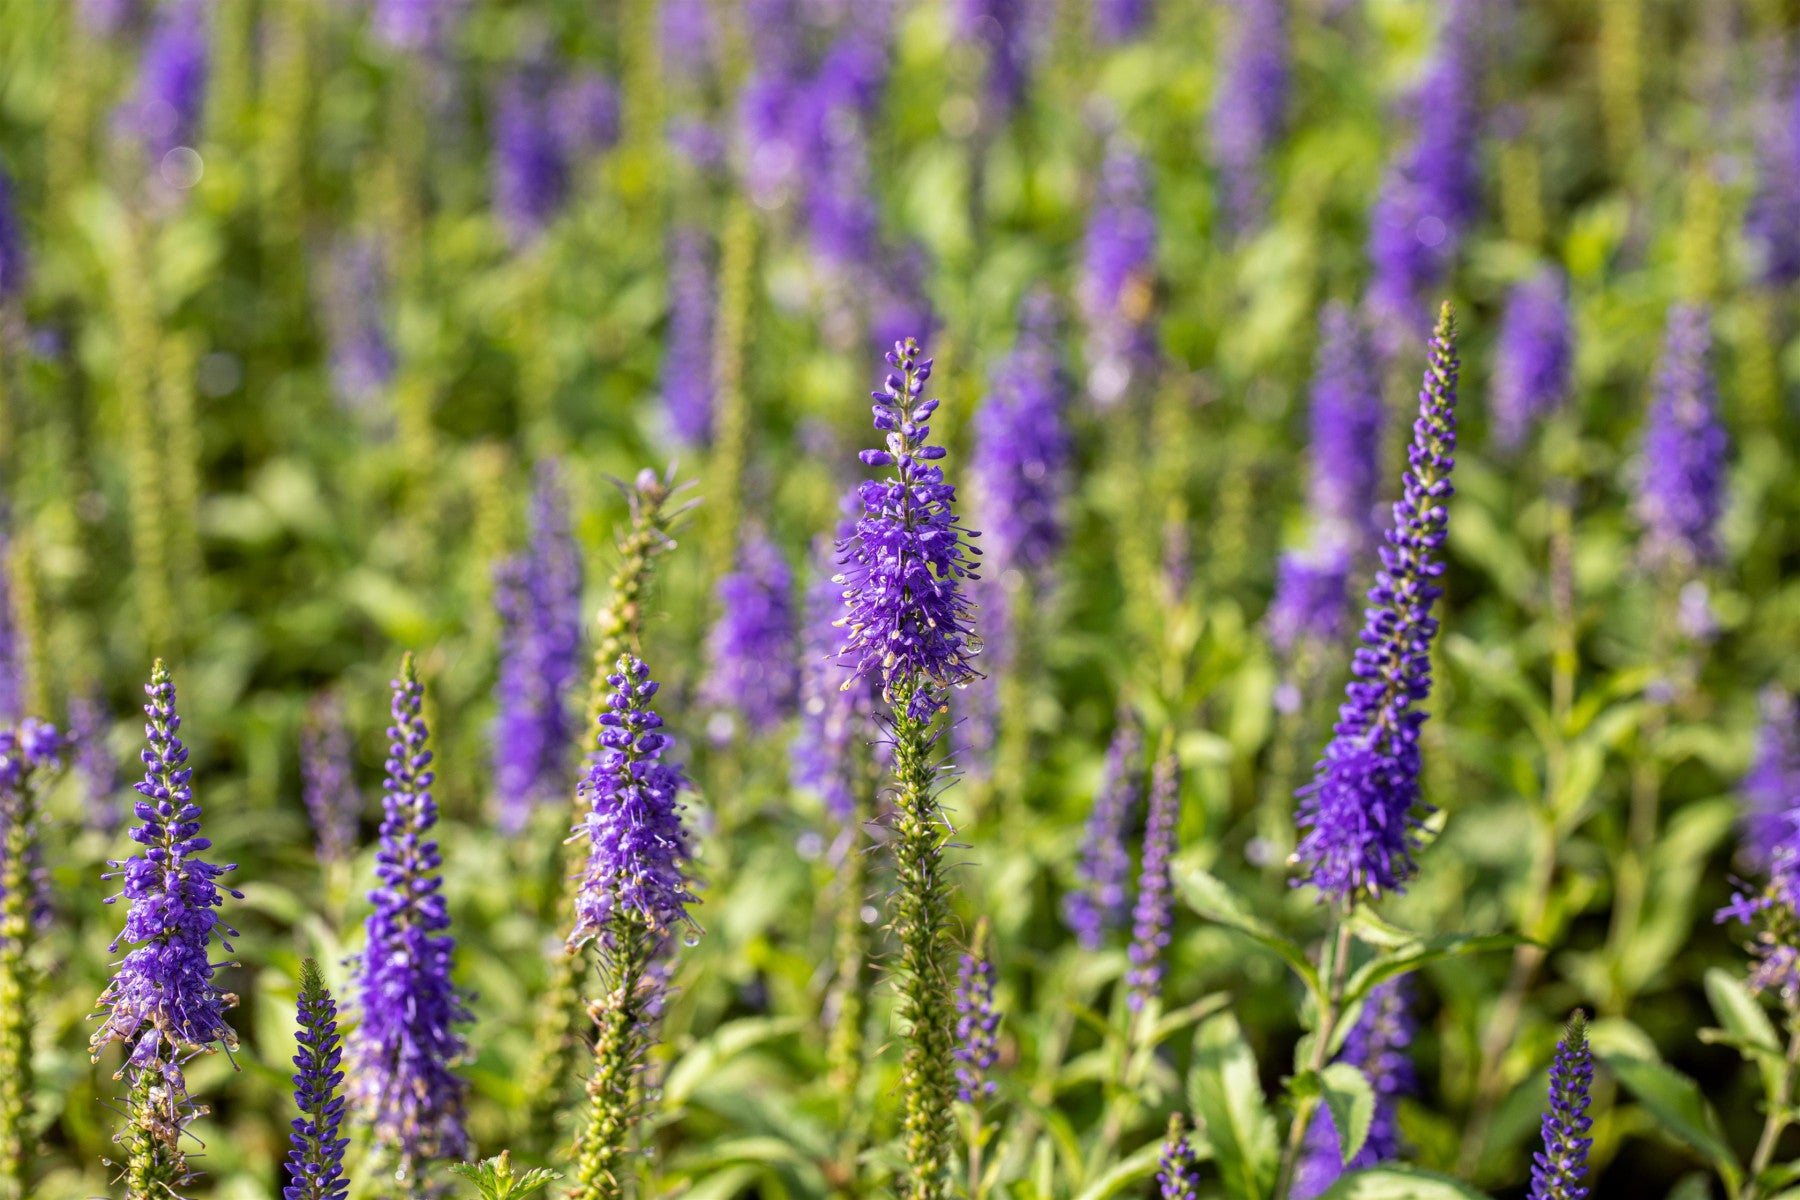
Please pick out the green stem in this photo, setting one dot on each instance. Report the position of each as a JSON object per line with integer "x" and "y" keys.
{"x": 1321, "y": 1050}
{"x": 1776, "y": 1119}
{"x": 16, "y": 990}
{"x": 921, "y": 912}
{"x": 604, "y": 1140}
{"x": 154, "y": 1163}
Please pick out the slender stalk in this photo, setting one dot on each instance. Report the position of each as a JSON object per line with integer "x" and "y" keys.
{"x": 17, "y": 985}
{"x": 604, "y": 1140}
{"x": 1777, "y": 1117}
{"x": 154, "y": 1164}
{"x": 1321, "y": 1050}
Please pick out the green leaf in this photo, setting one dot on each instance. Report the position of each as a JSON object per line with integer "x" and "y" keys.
{"x": 1676, "y": 1103}
{"x": 1395, "y": 1182}
{"x": 733, "y": 1181}
{"x": 1208, "y": 895}
{"x": 495, "y": 1180}
{"x": 1227, "y": 1099}
{"x": 1749, "y": 1026}
{"x": 709, "y": 1053}
{"x": 1134, "y": 1168}
{"x": 1351, "y": 1102}
{"x": 1410, "y": 957}
{"x": 1378, "y": 931}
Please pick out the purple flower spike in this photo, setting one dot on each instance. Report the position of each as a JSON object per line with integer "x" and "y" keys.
{"x": 164, "y": 111}
{"x": 1531, "y": 378}
{"x": 977, "y": 1024}
{"x": 1154, "y": 914}
{"x": 638, "y": 849}
{"x": 162, "y": 1003}
{"x": 531, "y": 174}
{"x": 1376, "y": 1046}
{"x": 95, "y": 764}
{"x": 1250, "y": 107}
{"x": 15, "y": 264}
{"x": 1559, "y": 1170}
{"x": 687, "y": 366}
{"x": 1681, "y": 492}
{"x": 1023, "y": 451}
{"x": 833, "y": 716}
{"x": 354, "y": 313}
{"x": 1179, "y": 1178}
{"x": 406, "y": 1041}
{"x": 538, "y": 594}
{"x": 1345, "y": 432}
{"x": 1102, "y": 899}
{"x": 1312, "y": 593}
{"x": 690, "y": 38}
{"x": 908, "y": 619}
{"x": 1771, "y": 787}
{"x": 1772, "y": 224}
{"x": 316, "y": 1161}
{"x": 1360, "y": 815}
{"x": 1005, "y": 30}
{"x": 328, "y": 780}
{"x": 751, "y": 673}
{"x": 1120, "y": 20}
{"x": 584, "y": 115}
{"x": 842, "y": 221}
{"x": 1117, "y": 288}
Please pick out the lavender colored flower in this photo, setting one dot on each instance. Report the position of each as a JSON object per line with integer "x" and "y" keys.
{"x": 1250, "y": 106}
{"x": 162, "y": 1003}
{"x": 1360, "y": 815}
{"x": 1005, "y": 30}
{"x": 1771, "y": 787}
{"x": 95, "y": 764}
{"x": 638, "y": 856}
{"x": 584, "y": 115}
{"x": 1101, "y": 899}
{"x": 687, "y": 366}
{"x": 1772, "y": 223}
{"x": 1772, "y": 910}
{"x": 417, "y": 26}
{"x": 771, "y": 135}
{"x": 328, "y": 780}
{"x": 833, "y": 717}
{"x": 1377, "y": 1046}
{"x": 1681, "y": 492}
{"x": 538, "y": 594}
{"x": 1153, "y": 914}
{"x": 106, "y": 18}
{"x": 13, "y": 650}
{"x": 1345, "y": 432}
{"x": 689, "y": 38}
{"x": 316, "y": 1161}
{"x": 977, "y": 1025}
{"x": 27, "y": 751}
{"x": 164, "y": 111}
{"x": 1531, "y": 376}
{"x": 897, "y": 303}
{"x": 1311, "y": 603}
{"x": 1559, "y": 1169}
{"x": 842, "y": 222}
{"x": 353, "y": 309}
{"x": 1120, "y": 20}
{"x": 1117, "y": 287}
{"x": 750, "y": 655}
{"x": 1179, "y": 1178}
{"x": 908, "y": 618}
{"x": 15, "y": 264}
{"x": 1023, "y": 451}
{"x": 406, "y": 1040}
{"x": 531, "y": 173}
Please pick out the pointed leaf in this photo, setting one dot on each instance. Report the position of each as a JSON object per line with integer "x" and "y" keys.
{"x": 1391, "y": 964}
{"x": 1134, "y": 1168}
{"x": 1227, "y": 1100}
{"x": 1208, "y": 895}
{"x": 1676, "y": 1103}
{"x": 1351, "y": 1102}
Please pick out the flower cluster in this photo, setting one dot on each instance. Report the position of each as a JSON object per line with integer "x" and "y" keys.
{"x": 1681, "y": 492}
{"x": 1250, "y": 106}
{"x": 164, "y": 111}
{"x": 1360, "y": 814}
{"x": 977, "y": 1024}
{"x": 353, "y": 312}
{"x": 833, "y": 717}
{"x": 538, "y": 594}
{"x": 328, "y": 780}
{"x": 1154, "y": 913}
{"x": 543, "y": 129}
{"x": 638, "y": 850}
{"x": 1377, "y": 1046}
{"x": 161, "y": 1002}
{"x": 1531, "y": 376}
{"x": 1102, "y": 900}
{"x": 751, "y": 672}
{"x": 316, "y": 1160}
{"x": 1179, "y": 1177}
{"x": 687, "y": 368}
{"x": 1117, "y": 288}
{"x": 1559, "y": 1169}
{"x": 908, "y": 619}
{"x": 406, "y": 1040}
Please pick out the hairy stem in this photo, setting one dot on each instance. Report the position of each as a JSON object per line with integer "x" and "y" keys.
{"x": 604, "y": 1138}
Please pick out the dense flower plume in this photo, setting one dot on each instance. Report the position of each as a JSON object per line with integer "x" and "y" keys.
{"x": 1102, "y": 898}
{"x": 402, "y": 1049}
{"x": 1377, "y": 1046}
{"x": 162, "y": 1004}
{"x": 538, "y": 594}
{"x": 1250, "y": 106}
{"x": 977, "y": 1024}
{"x": 1345, "y": 423}
{"x": 316, "y": 1160}
{"x": 687, "y": 367}
{"x": 1153, "y": 916}
{"x": 834, "y": 719}
{"x": 328, "y": 780}
{"x": 908, "y": 619}
{"x": 1531, "y": 375}
{"x": 1681, "y": 490}
{"x": 1311, "y": 597}
{"x": 638, "y": 850}
{"x": 1559, "y": 1170}
{"x": 1359, "y": 815}
{"x": 751, "y": 673}
{"x": 1179, "y": 1177}
{"x": 1117, "y": 287}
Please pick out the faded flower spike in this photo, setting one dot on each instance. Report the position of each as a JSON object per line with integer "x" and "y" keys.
{"x": 1558, "y": 1170}
{"x": 1102, "y": 900}
{"x": 833, "y": 719}
{"x": 1531, "y": 378}
{"x": 903, "y": 570}
{"x": 1154, "y": 912}
{"x": 328, "y": 783}
{"x": 406, "y": 1041}
{"x": 977, "y": 1021}
{"x": 1681, "y": 494}
{"x": 316, "y": 1162}
{"x": 752, "y": 678}
{"x": 1360, "y": 815}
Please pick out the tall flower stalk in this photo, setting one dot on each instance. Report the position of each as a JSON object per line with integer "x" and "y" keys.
{"x": 1360, "y": 816}
{"x": 1559, "y": 1170}
{"x": 1154, "y": 913}
{"x": 1102, "y": 899}
{"x": 27, "y": 754}
{"x": 162, "y": 1004}
{"x": 907, "y": 625}
{"x": 316, "y": 1160}
{"x": 406, "y": 1040}
{"x": 634, "y": 895}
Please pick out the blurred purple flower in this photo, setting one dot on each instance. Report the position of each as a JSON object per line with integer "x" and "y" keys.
{"x": 1117, "y": 286}
{"x": 417, "y": 26}
{"x": 354, "y": 312}
{"x": 1681, "y": 488}
{"x": 1022, "y": 453}
{"x": 106, "y": 18}
{"x": 1312, "y": 597}
{"x": 164, "y": 110}
{"x": 1772, "y": 222}
{"x": 1153, "y": 916}
{"x": 1345, "y": 425}
{"x": 1101, "y": 898}
{"x": 833, "y": 718}
{"x": 1377, "y": 1046}
{"x": 1531, "y": 374}
{"x": 1250, "y": 106}
{"x": 751, "y": 672}
{"x": 1005, "y": 29}
{"x": 15, "y": 262}
{"x": 687, "y": 366}
{"x": 584, "y": 115}
{"x": 689, "y": 38}
{"x": 531, "y": 176}
{"x": 328, "y": 780}
{"x": 1771, "y": 787}
{"x": 95, "y": 764}
{"x": 1120, "y": 20}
